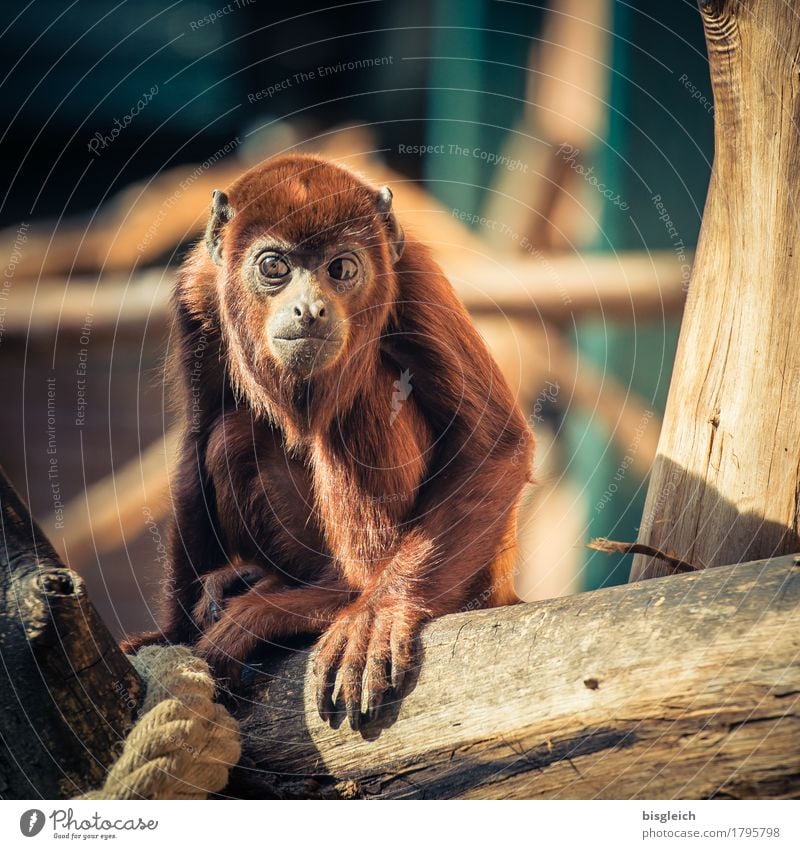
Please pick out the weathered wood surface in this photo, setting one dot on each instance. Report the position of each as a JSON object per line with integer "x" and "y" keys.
{"x": 681, "y": 687}
{"x": 725, "y": 485}
{"x": 67, "y": 693}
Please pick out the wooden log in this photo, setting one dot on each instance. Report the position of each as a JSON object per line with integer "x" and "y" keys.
{"x": 681, "y": 687}
{"x": 67, "y": 693}
{"x": 725, "y": 484}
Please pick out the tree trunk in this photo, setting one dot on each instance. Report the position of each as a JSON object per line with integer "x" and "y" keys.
{"x": 725, "y": 486}
{"x": 67, "y": 693}
{"x": 682, "y": 687}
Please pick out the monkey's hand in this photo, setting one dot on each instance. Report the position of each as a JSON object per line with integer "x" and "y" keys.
{"x": 221, "y": 585}
{"x": 369, "y": 648}
{"x": 266, "y": 614}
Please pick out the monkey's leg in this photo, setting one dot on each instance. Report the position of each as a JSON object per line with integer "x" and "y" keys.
{"x": 226, "y": 582}
{"x": 262, "y": 615}
{"x": 217, "y": 586}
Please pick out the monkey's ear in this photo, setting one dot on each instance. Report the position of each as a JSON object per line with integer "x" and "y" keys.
{"x": 395, "y": 232}
{"x": 221, "y": 214}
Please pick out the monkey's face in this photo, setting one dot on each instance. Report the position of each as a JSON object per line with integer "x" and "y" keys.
{"x": 306, "y": 298}
{"x": 308, "y": 252}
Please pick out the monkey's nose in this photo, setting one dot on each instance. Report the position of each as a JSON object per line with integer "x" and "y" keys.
{"x": 308, "y": 313}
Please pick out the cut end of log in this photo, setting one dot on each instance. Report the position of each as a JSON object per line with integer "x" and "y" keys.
{"x": 60, "y": 583}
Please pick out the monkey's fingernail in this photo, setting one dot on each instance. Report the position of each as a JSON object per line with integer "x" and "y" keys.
{"x": 374, "y": 707}
{"x": 325, "y": 706}
{"x": 354, "y": 714}
{"x": 398, "y": 677}
{"x": 213, "y": 611}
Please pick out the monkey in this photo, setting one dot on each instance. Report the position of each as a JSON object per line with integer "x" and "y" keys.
{"x": 353, "y": 458}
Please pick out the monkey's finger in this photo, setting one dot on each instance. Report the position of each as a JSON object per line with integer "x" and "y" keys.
{"x": 376, "y": 685}
{"x": 232, "y": 673}
{"x": 359, "y": 636}
{"x": 403, "y": 653}
{"x": 376, "y": 673}
{"x": 245, "y": 578}
{"x": 149, "y": 638}
{"x": 325, "y": 668}
{"x": 252, "y": 573}
{"x": 350, "y": 692}
{"x": 208, "y": 610}
{"x": 325, "y": 684}
{"x": 226, "y": 646}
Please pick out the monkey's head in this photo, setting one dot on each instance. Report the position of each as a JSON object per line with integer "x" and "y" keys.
{"x": 306, "y": 253}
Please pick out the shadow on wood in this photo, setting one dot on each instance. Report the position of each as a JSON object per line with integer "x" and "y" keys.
{"x": 690, "y": 518}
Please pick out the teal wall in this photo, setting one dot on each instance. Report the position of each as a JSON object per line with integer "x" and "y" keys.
{"x": 659, "y": 142}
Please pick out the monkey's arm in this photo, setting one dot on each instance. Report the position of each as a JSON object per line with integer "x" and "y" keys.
{"x": 458, "y": 553}
{"x": 459, "y": 548}
{"x": 193, "y": 549}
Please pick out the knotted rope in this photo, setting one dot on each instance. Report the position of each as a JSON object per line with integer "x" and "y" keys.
{"x": 183, "y": 744}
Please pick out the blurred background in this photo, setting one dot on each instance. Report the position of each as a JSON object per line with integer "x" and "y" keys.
{"x": 554, "y": 155}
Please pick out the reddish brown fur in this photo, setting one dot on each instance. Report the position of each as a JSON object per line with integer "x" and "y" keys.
{"x": 349, "y": 524}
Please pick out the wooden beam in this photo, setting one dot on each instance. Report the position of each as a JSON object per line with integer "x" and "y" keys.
{"x": 726, "y": 480}
{"x": 628, "y": 285}
{"x": 113, "y": 511}
{"x": 115, "y": 302}
{"x": 681, "y": 687}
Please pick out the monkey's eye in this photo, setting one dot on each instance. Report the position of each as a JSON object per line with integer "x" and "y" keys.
{"x": 343, "y": 268}
{"x": 274, "y": 267}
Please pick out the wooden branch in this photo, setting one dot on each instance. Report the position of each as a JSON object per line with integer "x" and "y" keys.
{"x": 725, "y": 485}
{"x": 681, "y": 687}
{"x": 565, "y": 103}
{"x": 553, "y": 288}
{"x": 114, "y": 510}
{"x": 116, "y": 302}
{"x": 67, "y": 693}
{"x": 610, "y": 546}
{"x": 557, "y": 287}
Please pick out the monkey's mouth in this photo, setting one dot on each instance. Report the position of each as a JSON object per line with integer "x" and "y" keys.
{"x": 304, "y": 353}
{"x": 311, "y": 338}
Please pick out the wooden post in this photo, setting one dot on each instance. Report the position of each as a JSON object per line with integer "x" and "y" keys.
{"x": 725, "y": 486}
{"x": 683, "y": 687}
{"x": 67, "y": 693}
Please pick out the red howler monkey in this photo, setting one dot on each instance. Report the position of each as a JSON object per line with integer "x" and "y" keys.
{"x": 353, "y": 458}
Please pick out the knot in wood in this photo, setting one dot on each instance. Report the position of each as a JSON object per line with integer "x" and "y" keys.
{"x": 59, "y": 582}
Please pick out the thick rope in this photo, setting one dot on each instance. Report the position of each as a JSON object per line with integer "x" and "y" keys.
{"x": 183, "y": 744}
